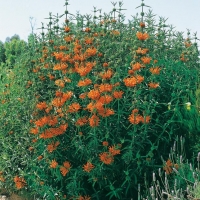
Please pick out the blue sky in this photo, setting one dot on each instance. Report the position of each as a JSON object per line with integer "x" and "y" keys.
{"x": 15, "y": 14}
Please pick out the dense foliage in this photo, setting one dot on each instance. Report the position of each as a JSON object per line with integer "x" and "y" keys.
{"x": 89, "y": 106}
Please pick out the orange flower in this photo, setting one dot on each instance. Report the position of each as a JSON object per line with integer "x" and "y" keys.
{"x": 153, "y": 85}
{"x": 74, "y": 107}
{"x": 135, "y": 119}
{"x": 67, "y": 29}
{"x": 41, "y": 105}
{"x": 94, "y": 94}
{"x": 84, "y": 82}
{"x": 83, "y": 95}
{"x": 81, "y": 121}
{"x": 146, "y": 60}
{"x": 52, "y": 132}
{"x": 60, "y": 83}
{"x": 34, "y": 131}
{"x": 105, "y": 143}
{"x": 118, "y": 94}
{"x": 87, "y": 29}
{"x": 168, "y": 167}
{"x": 106, "y": 112}
{"x": 114, "y": 151}
{"x": 58, "y": 55}
{"x": 19, "y": 182}
{"x": 67, "y": 164}
{"x": 88, "y": 167}
{"x": 141, "y": 51}
{"x": 51, "y": 147}
{"x": 136, "y": 66}
{"x": 88, "y": 41}
{"x": 146, "y": 119}
{"x": 63, "y": 170}
{"x": 90, "y": 52}
{"x": 105, "y": 99}
{"x": 155, "y": 70}
{"x": 142, "y": 24}
{"x": 106, "y": 158}
{"x": 106, "y": 75}
{"x": 105, "y": 64}
{"x": 139, "y": 78}
{"x": 53, "y": 164}
{"x": 105, "y": 87}
{"x": 94, "y": 121}
{"x": 68, "y": 38}
{"x": 84, "y": 198}
{"x": 142, "y": 36}
{"x": 40, "y": 157}
{"x": 130, "y": 82}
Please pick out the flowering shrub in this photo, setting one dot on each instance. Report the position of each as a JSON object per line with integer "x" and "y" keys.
{"x": 102, "y": 101}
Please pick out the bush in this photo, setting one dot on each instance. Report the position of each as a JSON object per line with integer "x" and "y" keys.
{"x": 102, "y": 101}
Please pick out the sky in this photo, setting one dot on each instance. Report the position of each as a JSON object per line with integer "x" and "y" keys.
{"x": 15, "y": 14}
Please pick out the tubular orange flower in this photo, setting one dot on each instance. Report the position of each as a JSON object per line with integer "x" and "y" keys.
{"x": 58, "y": 55}
{"x": 105, "y": 143}
{"x": 87, "y": 29}
{"x": 94, "y": 94}
{"x": 40, "y": 157}
{"x": 106, "y": 158}
{"x": 63, "y": 170}
{"x": 142, "y": 36}
{"x": 41, "y": 105}
{"x": 135, "y": 119}
{"x": 88, "y": 41}
{"x": 153, "y": 85}
{"x": 67, "y": 164}
{"x": 142, "y": 24}
{"x": 83, "y": 95}
{"x": 60, "y": 83}
{"x": 94, "y": 121}
{"x": 105, "y": 64}
{"x": 139, "y": 78}
{"x": 105, "y": 87}
{"x": 51, "y": 147}
{"x": 141, "y": 51}
{"x": 118, "y": 94}
{"x": 34, "y": 131}
{"x": 84, "y": 198}
{"x": 90, "y": 52}
{"x": 68, "y": 38}
{"x": 88, "y": 167}
{"x": 53, "y": 164}
{"x": 84, "y": 82}
{"x": 155, "y": 70}
{"x": 81, "y": 121}
{"x": 146, "y": 119}
{"x": 146, "y": 60}
{"x": 137, "y": 66}
{"x": 106, "y": 112}
{"x": 168, "y": 167}
{"x": 74, "y": 107}
{"x": 67, "y": 29}
{"x": 130, "y": 82}
{"x": 19, "y": 182}
{"x": 114, "y": 151}
{"x": 105, "y": 99}
{"x": 106, "y": 75}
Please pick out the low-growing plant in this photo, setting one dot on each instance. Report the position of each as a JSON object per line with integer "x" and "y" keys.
{"x": 180, "y": 179}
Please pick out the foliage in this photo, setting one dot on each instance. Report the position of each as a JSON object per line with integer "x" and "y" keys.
{"x": 91, "y": 105}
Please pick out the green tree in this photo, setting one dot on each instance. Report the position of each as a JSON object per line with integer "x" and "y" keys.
{"x": 2, "y": 52}
{"x": 13, "y": 49}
